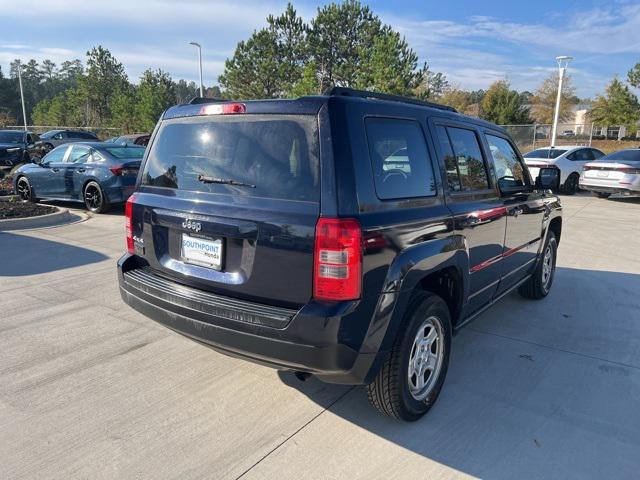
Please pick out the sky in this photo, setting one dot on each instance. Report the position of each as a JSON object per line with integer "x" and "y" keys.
{"x": 473, "y": 42}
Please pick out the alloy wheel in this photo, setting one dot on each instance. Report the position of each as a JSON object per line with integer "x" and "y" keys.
{"x": 24, "y": 189}
{"x": 425, "y": 360}
{"x": 93, "y": 197}
{"x": 547, "y": 267}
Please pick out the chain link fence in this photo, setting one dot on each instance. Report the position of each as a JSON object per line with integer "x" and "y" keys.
{"x": 607, "y": 139}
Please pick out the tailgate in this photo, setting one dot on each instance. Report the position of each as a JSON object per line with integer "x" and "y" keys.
{"x": 251, "y": 239}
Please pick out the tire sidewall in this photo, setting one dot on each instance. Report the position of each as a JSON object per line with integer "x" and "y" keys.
{"x": 425, "y": 306}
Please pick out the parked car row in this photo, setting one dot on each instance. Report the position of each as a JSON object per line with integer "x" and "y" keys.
{"x": 589, "y": 169}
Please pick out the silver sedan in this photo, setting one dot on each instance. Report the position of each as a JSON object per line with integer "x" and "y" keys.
{"x": 616, "y": 173}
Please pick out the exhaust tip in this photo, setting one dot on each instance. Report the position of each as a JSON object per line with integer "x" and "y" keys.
{"x": 302, "y": 376}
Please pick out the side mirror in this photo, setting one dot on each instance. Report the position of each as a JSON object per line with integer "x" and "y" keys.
{"x": 548, "y": 179}
{"x": 37, "y": 161}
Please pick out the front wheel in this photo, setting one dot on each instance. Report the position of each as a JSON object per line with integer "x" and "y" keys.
{"x": 410, "y": 380}
{"x": 539, "y": 284}
{"x": 95, "y": 198}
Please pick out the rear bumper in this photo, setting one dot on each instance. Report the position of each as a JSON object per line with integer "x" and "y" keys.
{"x": 603, "y": 186}
{"x": 307, "y": 340}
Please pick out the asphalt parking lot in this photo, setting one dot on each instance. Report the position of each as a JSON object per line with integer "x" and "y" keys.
{"x": 91, "y": 389}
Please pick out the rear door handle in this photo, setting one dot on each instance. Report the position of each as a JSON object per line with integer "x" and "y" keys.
{"x": 81, "y": 170}
{"x": 55, "y": 169}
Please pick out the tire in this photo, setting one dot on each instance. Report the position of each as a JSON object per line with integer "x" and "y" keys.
{"x": 94, "y": 198}
{"x": 601, "y": 194}
{"x": 25, "y": 191}
{"x": 539, "y": 284}
{"x": 570, "y": 186}
{"x": 393, "y": 392}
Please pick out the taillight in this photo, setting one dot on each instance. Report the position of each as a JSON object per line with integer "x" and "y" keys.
{"x": 122, "y": 171}
{"x": 337, "y": 259}
{"x": 128, "y": 225}
{"x": 629, "y": 170}
{"x": 223, "y": 108}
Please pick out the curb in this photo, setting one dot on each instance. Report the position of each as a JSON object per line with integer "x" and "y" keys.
{"x": 60, "y": 217}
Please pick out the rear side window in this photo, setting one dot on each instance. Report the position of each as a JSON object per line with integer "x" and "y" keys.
{"x": 399, "y": 159}
{"x": 466, "y": 171}
{"x": 274, "y": 156}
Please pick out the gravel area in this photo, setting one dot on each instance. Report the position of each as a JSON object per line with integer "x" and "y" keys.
{"x": 23, "y": 210}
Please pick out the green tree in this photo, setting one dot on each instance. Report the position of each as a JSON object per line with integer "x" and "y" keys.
{"x": 633, "y": 77}
{"x": 123, "y": 108}
{"x": 270, "y": 61}
{"x": 343, "y": 45}
{"x": 503, "y": 106}
{"x": 154, "y": 95}
{"x": 433, "y": 86}
{"x": 389, "y": 65}
{"x": 104, "y": 76}
{"x": 543, "y": 101}
{"x": 619, "y": 106}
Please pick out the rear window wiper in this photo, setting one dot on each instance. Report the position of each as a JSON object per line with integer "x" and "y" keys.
{"x": 224, "y": 181}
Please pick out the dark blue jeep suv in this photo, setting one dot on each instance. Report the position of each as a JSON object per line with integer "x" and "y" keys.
{"x": 345, "y": 236}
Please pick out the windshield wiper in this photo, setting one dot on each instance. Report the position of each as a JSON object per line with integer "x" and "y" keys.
{"x": 224, "y": 181}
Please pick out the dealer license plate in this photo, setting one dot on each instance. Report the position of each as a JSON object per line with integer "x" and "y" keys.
{"x": 201, "y": 251}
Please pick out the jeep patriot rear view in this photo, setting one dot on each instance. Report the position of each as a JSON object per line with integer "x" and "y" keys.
{"x": 345, "y": 236}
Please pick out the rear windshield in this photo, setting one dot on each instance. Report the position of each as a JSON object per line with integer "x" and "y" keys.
{"x": 545, "y": 153}
{"x": 628, "y": 155}
{"x": 273, "y": 156}
{"x": 125, "y": 152}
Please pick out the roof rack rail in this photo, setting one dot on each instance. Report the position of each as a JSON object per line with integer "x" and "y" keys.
{"x": 351, "y": 92}
{"x": 198, "y": 100}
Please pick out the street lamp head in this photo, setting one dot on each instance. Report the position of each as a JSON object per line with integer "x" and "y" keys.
{"x": 195, "y": 44}
{"x": 563, "y": 60}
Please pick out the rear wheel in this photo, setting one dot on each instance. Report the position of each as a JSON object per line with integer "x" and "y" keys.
{"x": 570, "y": 186}
{"x": 411, "y": 378}
{"x": 95, "y": 199}
{"x": 539, "y": 284}
{"x": 24, "y": 190}
{"x": 601, "y": 194}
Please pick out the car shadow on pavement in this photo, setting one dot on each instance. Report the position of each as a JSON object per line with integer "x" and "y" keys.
{"x": 115, "y": 210}
{"x": 529, "y": 391}
{"x": 24, "y": 255}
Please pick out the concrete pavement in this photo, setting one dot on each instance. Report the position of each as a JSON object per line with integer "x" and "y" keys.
{"x": 91, "y": 389}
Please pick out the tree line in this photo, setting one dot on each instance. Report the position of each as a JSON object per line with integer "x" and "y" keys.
{"x": 344, "y": 44}
{"x": 95, "y": 93}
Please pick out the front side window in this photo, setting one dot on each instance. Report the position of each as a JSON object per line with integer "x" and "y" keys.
{"x": 399, "y": 159}
{"x": 56, "y": 155}
{"x": 471, "y": 172}
{"x": 509, "y": 170}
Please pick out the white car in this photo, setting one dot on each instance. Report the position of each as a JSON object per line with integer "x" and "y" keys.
{"x": 618, "y": 172}
{"x": 568, "y": 159}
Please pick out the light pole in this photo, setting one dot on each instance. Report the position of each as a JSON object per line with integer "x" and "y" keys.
{"x": 195, "y": 44}
{"x": 563, "y": 63}
{"x": 24, "y": 111}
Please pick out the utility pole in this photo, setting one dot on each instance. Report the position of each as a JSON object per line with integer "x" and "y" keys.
{"x": 563, "y": 63}
{"x": 24, "y": 111}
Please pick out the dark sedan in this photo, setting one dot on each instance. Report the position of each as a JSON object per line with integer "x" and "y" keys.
{"x": 18, "y": 146}
{"x": 98, "y": 174}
